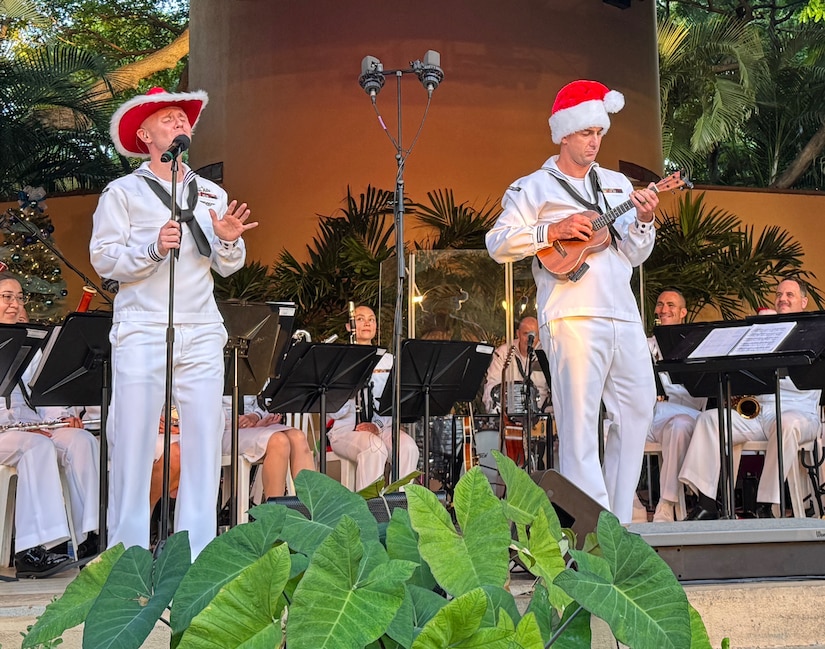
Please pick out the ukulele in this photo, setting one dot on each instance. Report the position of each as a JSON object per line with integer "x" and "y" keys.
{"x": 565, "y": 259}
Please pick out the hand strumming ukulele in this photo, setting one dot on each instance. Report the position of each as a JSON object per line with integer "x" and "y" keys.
{"x": 565, "y": 258}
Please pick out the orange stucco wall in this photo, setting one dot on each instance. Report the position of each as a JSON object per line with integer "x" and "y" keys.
{"x": 799, "y": 213}
{"x": 294, "y": 129}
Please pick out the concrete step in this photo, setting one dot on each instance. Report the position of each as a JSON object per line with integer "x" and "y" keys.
{"x": 777, "y": 614}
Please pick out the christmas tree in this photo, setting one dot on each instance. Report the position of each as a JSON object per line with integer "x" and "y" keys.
{"x": 24, "y": 253}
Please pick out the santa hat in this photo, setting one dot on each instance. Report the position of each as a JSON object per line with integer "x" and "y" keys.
{"x": 582, "y": 104}
{"x": 127, "y": 119}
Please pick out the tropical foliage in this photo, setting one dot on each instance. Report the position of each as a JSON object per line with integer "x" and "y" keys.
{"x": 338, "y": 579}
{"x": 742, "y": 92}
{"x": 53, "y": 127}
{"x": 720, "y": 265}
{"x": 61, "y": 63}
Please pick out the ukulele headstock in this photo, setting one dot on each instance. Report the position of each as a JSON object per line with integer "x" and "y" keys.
{"x": 676, "y": 180}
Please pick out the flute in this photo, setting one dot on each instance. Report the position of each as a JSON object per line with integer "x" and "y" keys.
{"x": 45, "y": 425}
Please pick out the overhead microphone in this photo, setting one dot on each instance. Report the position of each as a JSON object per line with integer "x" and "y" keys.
{"x": 372, "y": 76}
{"x": 429, "y": 72}
{"x": 179, "y": 145}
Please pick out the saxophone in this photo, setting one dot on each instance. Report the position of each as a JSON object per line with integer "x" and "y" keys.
{"x": 747, "y": 406}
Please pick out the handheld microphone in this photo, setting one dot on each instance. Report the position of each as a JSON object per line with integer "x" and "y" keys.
{"x": 429, "y": 72}
{"x": 531, "y": 340}
{"x": 372, "y": 77}
{"x": 179, "y": 145}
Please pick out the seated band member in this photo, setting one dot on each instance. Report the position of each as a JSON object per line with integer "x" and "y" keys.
{"x": 800, "y": 424}
{"x": 517, "y": 367}
{"x": 358, "y": 433}
{"x": 37, "y": 454}
{"x": 674, "y": 418}
{"x": 260, "y": 435}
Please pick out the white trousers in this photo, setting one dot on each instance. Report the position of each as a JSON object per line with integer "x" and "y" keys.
{"x": 370, "y": 453}
{"x": 593, "y": 359}
{"x": 78, "y": 452}
{"x": 700, "y": 470}
{"x": 672, "y": 428}
{"x": 138, "y": 393}
{"x": 40, "y": 514}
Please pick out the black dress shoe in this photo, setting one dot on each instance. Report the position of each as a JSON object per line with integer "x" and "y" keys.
{"x": 90, "y": 547}
{"x": 39, "y": 562}
{"x": 763, "y": 510}
{"x": 702, "y": 514}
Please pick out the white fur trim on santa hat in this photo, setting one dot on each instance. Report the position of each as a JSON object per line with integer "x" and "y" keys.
{"x": 585, "y": 115}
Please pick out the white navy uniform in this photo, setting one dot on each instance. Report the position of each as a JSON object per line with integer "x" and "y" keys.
{"x": 672, "y": 427}
{"x": 800, "y": 424}
{"x": 125, "y": 229}
{"x": 590, "y": 329}
{"x": 370, "y": 452}
{"x": 40, "y": 514}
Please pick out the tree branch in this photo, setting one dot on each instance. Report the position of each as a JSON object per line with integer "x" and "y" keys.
{"x": 801, "y": 163}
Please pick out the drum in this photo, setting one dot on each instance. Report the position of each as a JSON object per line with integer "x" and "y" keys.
{"x": 488, "y": 439}
{"x": 516, "y": 406}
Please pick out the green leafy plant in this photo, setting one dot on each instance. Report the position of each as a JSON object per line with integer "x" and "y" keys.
{"x": 718, "y": 263}
{"x": 338, "y": 579}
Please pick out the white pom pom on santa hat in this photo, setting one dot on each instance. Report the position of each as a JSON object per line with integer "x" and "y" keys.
{"x": 583, "y": 104}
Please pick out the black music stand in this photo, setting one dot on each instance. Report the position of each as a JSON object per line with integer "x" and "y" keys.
{"x": 799, "y": 356}
{"x": 18, "y": 345}
{"x": 76, "y": 371}
{"x": 318, "y": 377}
{"x": 435, "y": 375}
{"x": 253, "y": 330}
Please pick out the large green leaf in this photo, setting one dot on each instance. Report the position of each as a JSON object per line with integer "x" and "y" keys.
{"x": 219, "y": 563}
{"x": 475, "y": 556}
{"x": 402, "y": 543}
{"x": 135, "y": 595}
{"x": 349, "y": 595}
{"x": 698, "y": 633}
{"x": 454, "y": 623}
{"x": 418, "y": 608}
{"x": 575, "y": 635}
{"x": 543, "y": 556}
{"x": 524, "y": 497}
{"x": 327, "y": 501}
{"x": 246, "y": 611}
{"x": 76, "y": 602}
{"x": 631, "y": 588}
{"x": 460, "y": 623}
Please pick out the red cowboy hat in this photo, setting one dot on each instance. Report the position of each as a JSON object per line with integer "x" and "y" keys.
{"x": 127, "y": 119}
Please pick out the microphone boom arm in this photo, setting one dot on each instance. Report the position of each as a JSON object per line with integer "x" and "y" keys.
{"x": 5, "y": 223}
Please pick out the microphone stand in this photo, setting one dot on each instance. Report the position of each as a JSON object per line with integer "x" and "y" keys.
{"x": 528, "y": 407}
{"x": 398, "y": 216}
{"x": 31, "y": 228}
{"x": 170, "y": 345}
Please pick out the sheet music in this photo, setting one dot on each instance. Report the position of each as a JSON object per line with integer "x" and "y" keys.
{"x": 763, "y": 338}
{"x": 719, "y": 342}
{"x": 738, "y": 341}
{"x": 47, "y": 350}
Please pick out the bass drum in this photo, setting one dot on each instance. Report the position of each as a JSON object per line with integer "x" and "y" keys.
{"x": 488, "y": 439}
